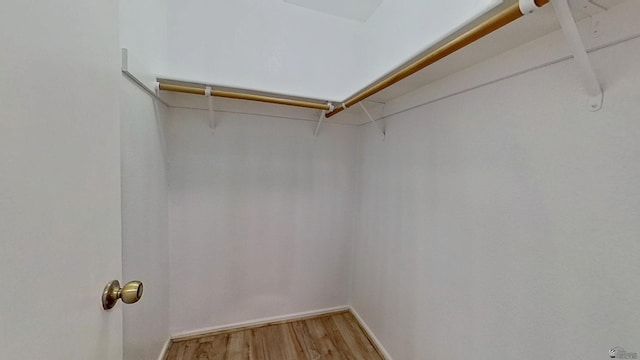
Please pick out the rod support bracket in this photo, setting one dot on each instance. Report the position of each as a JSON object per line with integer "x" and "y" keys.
{"x": 595, "y": 102}
{"x": 322, "y": 117}
{"x": 527, "y": 6}
{"x": 372, "y": 121}
{"x": 212, "y": 113}
{"x": 574, "y": 41}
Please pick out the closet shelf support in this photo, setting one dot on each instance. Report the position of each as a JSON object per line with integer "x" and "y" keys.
{"x": 528, "y": 6}
{"x": 572, "y": 35}
{"x": 212, "y": 113}
{"x": 126, "y": 71}
{"x": 323, "y": 114}
{"x": 371, "y": 120}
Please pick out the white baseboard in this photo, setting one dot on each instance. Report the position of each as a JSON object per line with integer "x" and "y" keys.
{"x": 371, "y": 335}
{"x": 165, "y": 348}
{"x": 258, "y": 322}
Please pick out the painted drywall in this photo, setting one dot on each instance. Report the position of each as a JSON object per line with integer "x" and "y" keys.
{"x": 504, "y": 221}
{"x": 260, "y": 217}
{"x": 278, "y": 47}
{"x": 143, "y": 31}
{"x": 145, "y": 221}
{"x": 59, "y": 179}
{"x": 352, "y": 9}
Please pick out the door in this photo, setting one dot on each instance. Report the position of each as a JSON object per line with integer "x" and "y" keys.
{"x": 60, "y": 237}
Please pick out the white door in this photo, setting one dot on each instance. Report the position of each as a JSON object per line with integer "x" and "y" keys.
{"x": 60, "y": 238}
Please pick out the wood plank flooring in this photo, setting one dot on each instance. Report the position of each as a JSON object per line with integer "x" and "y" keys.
{"x": 331, "y": 336}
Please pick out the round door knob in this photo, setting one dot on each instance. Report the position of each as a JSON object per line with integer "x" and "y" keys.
{"x": 130, "y": 293}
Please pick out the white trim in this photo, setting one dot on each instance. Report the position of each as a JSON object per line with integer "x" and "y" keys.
{"x": 165, "y": 349}
{"x": 372, "y": 336}
{"x": 258, "y": 322}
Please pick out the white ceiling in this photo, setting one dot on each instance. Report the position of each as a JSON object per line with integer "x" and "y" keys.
{"x": 359, "y": 10}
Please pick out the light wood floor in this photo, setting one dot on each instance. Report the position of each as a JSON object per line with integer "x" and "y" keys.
{"x": 332, "y": 336}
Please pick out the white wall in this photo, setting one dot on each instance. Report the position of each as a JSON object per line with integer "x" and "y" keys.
{"x": 145, "y": 222}
{"x": 504, "y": 221}
{"x": 260, "y": 217}
{"x": 143, "y": 30}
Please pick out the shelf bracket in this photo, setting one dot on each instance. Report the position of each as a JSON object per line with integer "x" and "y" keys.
{"x": 373, "y": 122}
{"x": 323, "y": 114}
{"x": 588, "y": 75}
{"x": 212, "y": 113}
{"x": 527, "y": 6}
{"x": 144, "y": 82}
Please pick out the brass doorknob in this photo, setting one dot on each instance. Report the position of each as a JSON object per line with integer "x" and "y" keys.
{"x": 130, "y": 293}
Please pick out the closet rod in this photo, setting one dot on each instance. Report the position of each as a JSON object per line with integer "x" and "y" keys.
{"x": 243, "y": 96}
{"x": 496, "y": 22}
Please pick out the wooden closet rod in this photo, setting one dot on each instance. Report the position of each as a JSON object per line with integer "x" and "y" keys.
{"x": 496, "y": 22}
{"x": 243, "y": 96}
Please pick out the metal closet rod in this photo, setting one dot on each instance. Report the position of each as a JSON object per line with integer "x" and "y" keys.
{"x": 243, "y": 96}
{"x": 494, "y": 23}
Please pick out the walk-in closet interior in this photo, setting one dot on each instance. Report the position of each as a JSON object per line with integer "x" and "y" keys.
{"x": 320, "y": 179}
